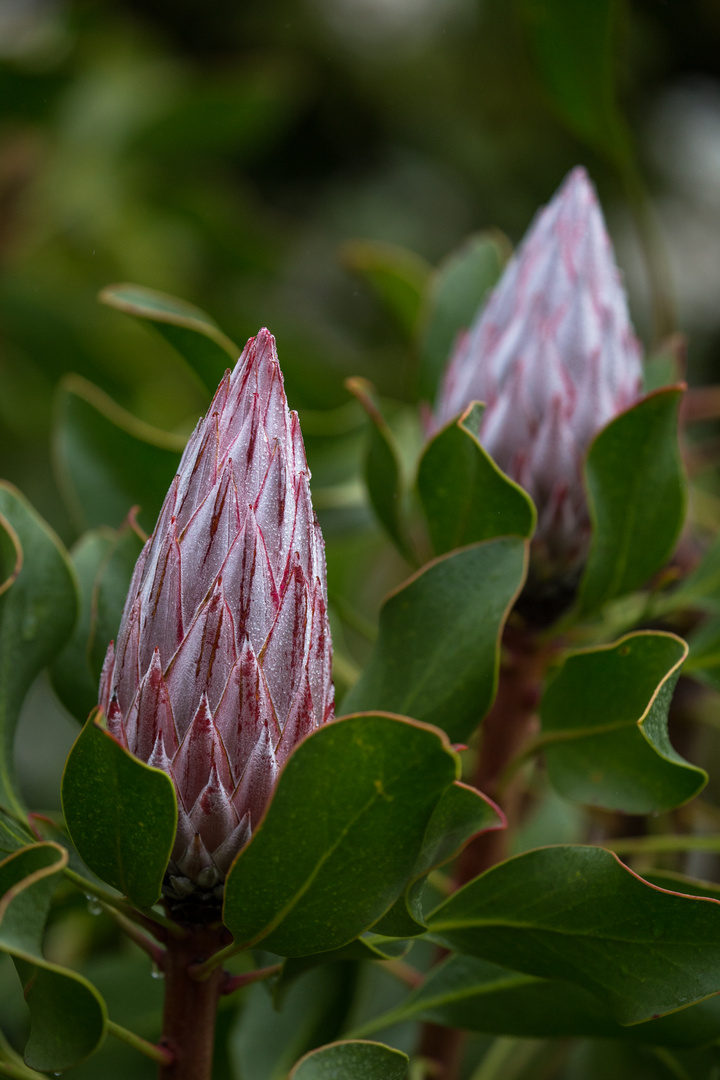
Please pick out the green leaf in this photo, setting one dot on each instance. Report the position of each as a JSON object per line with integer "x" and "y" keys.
{"x": 397, "y": 276}
{"x": 573, "y": 46}
{"x": 636, "y": 493}
{"x": 368, "y": 947}
{"x": 121, "y": 814}
{"x": 604, "y": 720}
{"x": 383, "y": 476}
{"x": 352, "y": 1060}
{"x": 270, "y": 1035}
{"x": 701, "y": 588}
{"x": 579, "y": 914}
{"x": 13, "y": 835}
{"x": 103, "y": 560}
{"x": 475, "y": 995}
{"x": 455, "y": 293}
{"x": 109, "y": 461}
{"x": 704, "y": 659}
{"x": 465, "y": 496}
{"x": 461, "y": 814}
{"x": 188, "y": 329}
{"x": 67, "y": 1015}
{"x": 437, "y": 653}
{"x": 341, "y": 835}
{"x": 38, "y": 607}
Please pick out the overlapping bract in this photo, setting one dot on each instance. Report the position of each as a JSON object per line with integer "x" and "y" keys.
{"x": 223, "y": 657}
{"x": 554, "y": 357}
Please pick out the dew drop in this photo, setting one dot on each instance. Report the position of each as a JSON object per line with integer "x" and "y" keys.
{"x": 94, "y": 906}
{"x": 155, "y": 973}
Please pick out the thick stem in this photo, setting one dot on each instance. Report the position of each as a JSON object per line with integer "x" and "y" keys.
{"x": 190, "y": 1006}
{"x": 505, "y": 730}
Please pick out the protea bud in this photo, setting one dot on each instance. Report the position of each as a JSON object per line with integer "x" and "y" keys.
{"x": 554, "y": 357}
{"x": 223, "y": 657}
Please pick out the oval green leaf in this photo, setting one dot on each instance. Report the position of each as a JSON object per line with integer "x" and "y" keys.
{"x": 190, "y": 330}
{"x": 605, "y": 733}
{"x": 107, "y": 460}
{"x": 67, "y": 1015}
{"x": 461, "y": 814}
{"x": 437, "y": 653}
{"x": 464, "y": 495}
{"x": 38, "y": 607}
{"x": 475, "y": 995}
{"x": 637, "y": 497}
{"x": 121, "y": 814}
{"x": 579, "y": 914}
{"x": 341, "y": 836}
{"x": 353, "y": 1059}
{"x": 103, "y": 560}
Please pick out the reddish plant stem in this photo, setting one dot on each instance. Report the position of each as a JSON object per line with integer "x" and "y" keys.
{"x": 505, "y": 730}
{"x": 191, "y": 1006}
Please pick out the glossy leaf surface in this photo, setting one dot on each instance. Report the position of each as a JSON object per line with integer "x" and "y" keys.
{"x": 121, "y": 814}
{"x": 476, "y": 995}
{"x": 67, "y": 1015}
{"x": 190, "y": 330}
{"x": 465, "y": 496}
{"x": 340, "y": 837}
{"x": 38, "y": 607}
{"x": 636, "y": 491}
{"x": 109, "y": 461}
{"x": 578, "y": 914}
{"x": 436, "y": 656}
{"x": 461, "y": 814}
{"x": 606, "y": 716}
{"x": 455, "y": 292}
{"x": 352, "y": 1060}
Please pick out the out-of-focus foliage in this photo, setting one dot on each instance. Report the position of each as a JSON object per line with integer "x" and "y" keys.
{"x": 352, "y": 174}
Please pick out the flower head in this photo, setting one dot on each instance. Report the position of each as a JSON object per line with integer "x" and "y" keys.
{"x": 223, "y": 657}
{"x": 554, "y": 357}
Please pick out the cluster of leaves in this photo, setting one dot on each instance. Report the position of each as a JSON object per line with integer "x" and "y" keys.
{"x": 559, "y": 941}
{"x": 340, "y": 886}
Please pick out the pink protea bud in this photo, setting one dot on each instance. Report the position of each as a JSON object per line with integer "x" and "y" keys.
{"x": 223, "y": 658}
{"x": 554, "y": 357}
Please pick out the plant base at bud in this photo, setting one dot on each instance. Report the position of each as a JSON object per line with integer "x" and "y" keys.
{"x": 192, "y": 903}
{"x": 191, "y": 1006}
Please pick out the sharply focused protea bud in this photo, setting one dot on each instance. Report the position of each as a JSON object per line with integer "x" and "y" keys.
{"x": 554, "y": 357}
{"x": 223, "y": 657}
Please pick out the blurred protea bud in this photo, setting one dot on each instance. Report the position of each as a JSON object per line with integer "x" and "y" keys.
{"x": 554, "y": 357}
{"x": 223, "y": 657}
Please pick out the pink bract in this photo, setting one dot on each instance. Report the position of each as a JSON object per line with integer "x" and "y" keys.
{"x": 554, "y": 357}
{"x": 223, "y": 658}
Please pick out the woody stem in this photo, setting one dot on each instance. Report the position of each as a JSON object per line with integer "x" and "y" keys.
{"x": 504, "y": 731}
{"x": 190, "y": 1006}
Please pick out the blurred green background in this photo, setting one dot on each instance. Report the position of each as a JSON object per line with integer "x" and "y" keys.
{"x": 226, "y": 151}
{"x": 232, "y": 153}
